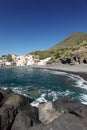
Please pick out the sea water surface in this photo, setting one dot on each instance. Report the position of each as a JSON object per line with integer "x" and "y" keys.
{"x": 43, "y": 85}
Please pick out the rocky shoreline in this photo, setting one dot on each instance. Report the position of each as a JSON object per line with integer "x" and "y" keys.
{"x": 16, "y": 113}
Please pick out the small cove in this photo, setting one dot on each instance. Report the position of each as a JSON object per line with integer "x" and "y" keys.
{"x": 43, "y": 84}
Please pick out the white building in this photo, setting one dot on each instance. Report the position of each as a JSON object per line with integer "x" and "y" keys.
{"x": 21, "y": 61}
{"x": 30, "y": 60}
{"x": 14, "y": 57}
{"x": 0, "y": 61}
{"x": 8, "y": 63}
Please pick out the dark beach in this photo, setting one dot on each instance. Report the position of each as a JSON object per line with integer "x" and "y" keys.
{"x": 80, "y": 70}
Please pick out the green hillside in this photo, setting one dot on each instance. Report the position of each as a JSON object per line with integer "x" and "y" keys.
{"x": 64, "y": 48}
{"x": 72, "y": 40}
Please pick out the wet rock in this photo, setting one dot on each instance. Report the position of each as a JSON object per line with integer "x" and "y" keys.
{"x": 65, "y": 122}
{"x": 7, "y": 116}
{"x": 26, "y": 118}
{"x": 16, "y": 100}
{"x": 47, "y": 113}
{"x": 5, "y": 92}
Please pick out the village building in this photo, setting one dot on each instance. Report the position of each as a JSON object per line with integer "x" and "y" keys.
{"x": 30, "y": 60}
{"x": 21, "y": 61}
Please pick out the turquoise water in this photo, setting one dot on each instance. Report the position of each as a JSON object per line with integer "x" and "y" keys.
{"x": 43, "y": 84}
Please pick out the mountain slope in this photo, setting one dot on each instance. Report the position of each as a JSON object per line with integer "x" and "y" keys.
{"x": 72, "y": 40}
{"x": 66, "y": 48}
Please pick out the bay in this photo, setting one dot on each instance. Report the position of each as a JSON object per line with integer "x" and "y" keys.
{"x": 43, "y": 84}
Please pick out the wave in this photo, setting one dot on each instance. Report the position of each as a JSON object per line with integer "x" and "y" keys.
{"x": 53, "y": 94}
{"x": 39, "y": 100}
{"x": 57, "y": 72}
{"x": 80, "y": 82}
{"x": 83, "y": 98}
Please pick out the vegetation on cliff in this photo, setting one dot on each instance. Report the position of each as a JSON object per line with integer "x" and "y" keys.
{"x": 66, "y": 48}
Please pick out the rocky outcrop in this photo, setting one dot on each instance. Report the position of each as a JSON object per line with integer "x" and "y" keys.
{"x": 16, "y": 100}
{"x": 72, "y": 116}
{"x": 16, "y": 113}
{"x": 10, "y": 105}
{"x": 27, "y": 117}
{"x": 5, "y": 92}
{"x": 74, "y": 60}
{"x": 65, "y": 122}
{"x": 71, "y": 106}
{"x": 47, "y": 113}
{"x": 7, "y": 116}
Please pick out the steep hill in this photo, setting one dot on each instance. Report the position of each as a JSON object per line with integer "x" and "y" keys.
{"x": 68, "y": 47}
{"x": 73, "y": 40}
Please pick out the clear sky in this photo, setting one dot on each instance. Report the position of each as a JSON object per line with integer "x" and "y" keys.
{"x": 30, "y": 25}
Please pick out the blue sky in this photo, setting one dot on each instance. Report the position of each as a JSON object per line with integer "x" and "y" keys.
{"x": 30, "y": 25}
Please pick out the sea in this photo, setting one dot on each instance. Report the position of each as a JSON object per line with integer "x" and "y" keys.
{"x": 43, "y": 85}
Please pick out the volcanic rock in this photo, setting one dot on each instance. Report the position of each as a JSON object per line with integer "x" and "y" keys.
{"x": 47, "y": 113}
{"x": 16, "y": 100}
{"x": 71, "y": 106}
{"x": 5, "y": 92}
{"x": 65, "y": 122}
{"x": 7, "y": 116}
{"x": 26, "y": 118}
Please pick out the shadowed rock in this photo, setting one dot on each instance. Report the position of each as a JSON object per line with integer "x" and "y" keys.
{"x": 5, "y": 92}
{"x": 1, "y": 97}
{"x": 16, "y": 100}
{"x": 26, "y": 118}
{"x": 71, "y": 106}
{"x": 7, "y": 116}
{"x": 65, "y": 122}
{"x": 64, "y": 114}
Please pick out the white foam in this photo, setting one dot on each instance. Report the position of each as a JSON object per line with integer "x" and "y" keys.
{"x": 81, "y": 83}
{"x": 83, "y": 98}
{"x": 85, "y": 103}
{"x": 19, "y": 90}
{"x": 4, "y": 88}
{"x": 55, "y": 94}
{"x": 67, "y": 92}
{"x": 57, "y": 72}
{"x": 39, "y": 100}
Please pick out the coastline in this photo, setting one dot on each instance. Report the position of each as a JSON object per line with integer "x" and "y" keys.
{"x": 65, "y": 113}
{"x": 79, "y": 77}
{"x": 80, "y": 70}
